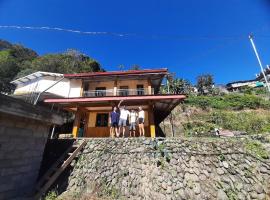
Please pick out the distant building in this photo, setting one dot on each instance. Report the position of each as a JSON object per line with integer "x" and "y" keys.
{"x": 260, "y": 77}
{"x": 238, "y": 85}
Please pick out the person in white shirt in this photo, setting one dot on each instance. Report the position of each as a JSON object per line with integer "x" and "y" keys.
{"x": 124, "y": 113}
{"x": 132, "y": 123}
{"x": 141, "y": 122}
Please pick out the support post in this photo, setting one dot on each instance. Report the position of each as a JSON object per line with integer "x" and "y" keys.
{"x": 152, "y": 127}
{"x": 149, "y": 88}
{"x": 115, "y": 88}
{"x": 76, "y": 124}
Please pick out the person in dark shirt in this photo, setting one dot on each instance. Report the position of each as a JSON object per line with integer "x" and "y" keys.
{"x": 114, "y": 116}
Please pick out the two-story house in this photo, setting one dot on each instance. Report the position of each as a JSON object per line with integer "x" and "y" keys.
{"x": 100, "y": 91}
{"x": 91, "y": 97}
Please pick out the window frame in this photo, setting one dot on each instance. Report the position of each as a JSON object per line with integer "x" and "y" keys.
{"x": 106, "y": 118}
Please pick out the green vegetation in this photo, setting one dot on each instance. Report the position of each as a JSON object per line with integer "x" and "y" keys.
{"x": 231, "y": 193}
{"x": 256, "y": 148}
{"x": 51, "y": 195}
{"x": 250, "y": 122}
{"x": 17, "y": 61}
{"x": 229, "y": 101}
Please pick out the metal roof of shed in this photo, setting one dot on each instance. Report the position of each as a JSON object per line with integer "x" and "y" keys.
{"x": 33, "y": 76}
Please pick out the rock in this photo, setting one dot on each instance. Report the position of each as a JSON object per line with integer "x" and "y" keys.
{"x": 164, "y": 185}
{"x": 239, "y": 186}
{"x": 177, "y": 186}
{"x": 263, "y": 170}
{"x": 221, "y": 195}
{"x": 253, "y": 195}
{"x": 261, "y": 196}
{"x": 196, "y": 171}
{"x": 225, "y": 164}
{"x": 182, "y": 194}
{"x": 173, "y": 161}
{"x": 192, "y": 177}
{"x": 197, "y": 188}
{"x": 220, "y": 171}
{"x": 258, "y": 188}
{"x": 169, "y": 190}
{"x": 202, "y": 177}
{"x": 241, "y": 196}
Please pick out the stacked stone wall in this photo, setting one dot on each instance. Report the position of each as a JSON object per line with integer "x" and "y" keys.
{"x": 172, "y": 168}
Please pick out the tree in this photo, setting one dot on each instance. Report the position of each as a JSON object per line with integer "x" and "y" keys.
{"x": 121, "y": 67}
{"x": 135, "y": 67}
{"x": 17, "y": 61}
{"x": 176, "y": 86}
{"x": 205, "y": 84}
{"x": 12, "y": 61}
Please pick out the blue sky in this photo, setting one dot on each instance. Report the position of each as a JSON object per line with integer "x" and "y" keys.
{"x": 180, "y": 27}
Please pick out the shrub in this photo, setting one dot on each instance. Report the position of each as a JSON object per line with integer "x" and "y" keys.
{"x": 256, "y": 148}
{"x": 51, "y": 195}
{"x": 198, "y": 128}
{"x": 250, "y": 122}
{"x": 229, "y": 101}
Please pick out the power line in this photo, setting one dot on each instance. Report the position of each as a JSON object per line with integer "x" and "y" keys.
{"x": 152, "y": 36}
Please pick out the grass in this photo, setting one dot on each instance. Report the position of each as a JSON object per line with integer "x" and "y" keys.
{"x": 248, "y": 121}
{"x": 232, "y": 101}
{"x": 256, "y": 148}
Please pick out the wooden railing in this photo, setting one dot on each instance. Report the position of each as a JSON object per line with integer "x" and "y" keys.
{"x": 118, "y": 92}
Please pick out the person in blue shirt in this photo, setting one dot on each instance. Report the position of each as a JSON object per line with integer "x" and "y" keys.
{"x": 114, "y": 116}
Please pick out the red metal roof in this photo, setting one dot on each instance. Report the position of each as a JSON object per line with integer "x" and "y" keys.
{"x": 117, "y": 73}
{"x": 114, "y": 98}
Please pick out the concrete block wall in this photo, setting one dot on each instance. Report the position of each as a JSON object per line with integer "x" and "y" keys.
{"x": 22, "y": 143}
{"x": 23, "y": 134}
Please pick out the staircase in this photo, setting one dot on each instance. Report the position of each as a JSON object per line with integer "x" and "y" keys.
{"x": 57, "y": 168}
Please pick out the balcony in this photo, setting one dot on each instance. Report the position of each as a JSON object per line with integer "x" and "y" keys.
{"x": 119, "y": 92}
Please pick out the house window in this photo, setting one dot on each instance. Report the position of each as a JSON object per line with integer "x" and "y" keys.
{"x": 140, "y": 90}
{"x": 123, "y": 91}
{"x": 100, "y": 91}
{"x": 85, "y": 89}
{"x": 102, "y": 119}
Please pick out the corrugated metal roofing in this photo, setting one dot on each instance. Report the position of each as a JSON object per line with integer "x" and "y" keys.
{"x": 117, "y": 73}
{"x": 33, "y": 76}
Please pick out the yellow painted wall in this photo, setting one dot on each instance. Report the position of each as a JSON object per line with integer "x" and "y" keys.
{"x": 107, "y": 84}
{"x": 93, "y": 131}
{"x": 132, "y": 84}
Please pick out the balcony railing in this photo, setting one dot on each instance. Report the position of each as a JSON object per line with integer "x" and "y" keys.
{"x": 119, "y": 92}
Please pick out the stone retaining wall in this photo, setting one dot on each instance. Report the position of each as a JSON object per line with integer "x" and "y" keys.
{"x": 169, "y": 169}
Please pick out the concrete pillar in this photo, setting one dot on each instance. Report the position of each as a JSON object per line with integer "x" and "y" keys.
{"x": 76, "y": 124}
{"x": 152, "y": 127}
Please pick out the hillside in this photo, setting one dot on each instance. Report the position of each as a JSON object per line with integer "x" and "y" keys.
{"x": 201, "y": 115}
{"x": 17, "y": 61}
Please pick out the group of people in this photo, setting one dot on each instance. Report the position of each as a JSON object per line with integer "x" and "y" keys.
{"x": 119, "y": 121}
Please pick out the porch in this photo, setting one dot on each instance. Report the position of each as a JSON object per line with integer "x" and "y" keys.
{"x": 92, "y": 113}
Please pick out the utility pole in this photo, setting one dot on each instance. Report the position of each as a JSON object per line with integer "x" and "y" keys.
{"x": 259, "y": 60}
